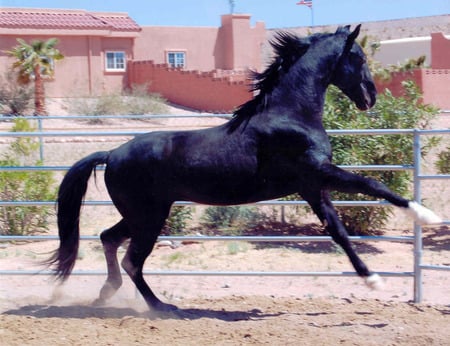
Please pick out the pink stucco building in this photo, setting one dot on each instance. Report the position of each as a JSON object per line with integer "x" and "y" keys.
{"x": 99, "y": 47}
{"x": 434, "y": 81}
{"x": 199, "y": 67}
{"x": 96, "y": 46}
{"x": 235, "y": 45}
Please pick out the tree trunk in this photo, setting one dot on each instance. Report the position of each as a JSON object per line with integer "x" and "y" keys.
{"x": 39, "y": 92}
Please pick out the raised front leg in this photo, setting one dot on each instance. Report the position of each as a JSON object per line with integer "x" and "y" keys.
{"x": 335, "y": 178}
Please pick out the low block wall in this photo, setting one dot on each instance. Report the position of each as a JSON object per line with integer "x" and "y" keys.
{"x": 224, "y": 91}
{"x": 434, "y": 83}
{"x": 214, "y": 91}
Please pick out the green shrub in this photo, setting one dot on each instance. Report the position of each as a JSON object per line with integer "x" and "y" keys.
{"x": 389, "y": 113}
{"x": 231, "y": 219}
{"x": 443, "y": 162}
{"x": 24, "y": 186}
{"x": 177, "y": 220}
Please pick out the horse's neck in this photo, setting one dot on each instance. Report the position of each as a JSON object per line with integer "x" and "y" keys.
{"x": 305, "y": 101}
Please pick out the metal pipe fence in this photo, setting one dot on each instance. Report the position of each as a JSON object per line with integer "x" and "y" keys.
{"x": 415, "y": 168}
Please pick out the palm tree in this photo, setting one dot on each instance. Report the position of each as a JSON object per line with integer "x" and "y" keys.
{"x": 35, "y": 62}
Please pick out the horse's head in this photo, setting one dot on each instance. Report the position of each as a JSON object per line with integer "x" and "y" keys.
{"x": 352, "y": 74}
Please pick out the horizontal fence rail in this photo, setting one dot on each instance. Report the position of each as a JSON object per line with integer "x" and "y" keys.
{"x": 416, "y": 239}
{"x": 251, "y": 239}
{"x": 212, "y": 273}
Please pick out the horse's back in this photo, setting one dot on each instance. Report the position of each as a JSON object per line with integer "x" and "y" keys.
{"x": 141, "y": 156}
{"x": 206, "y": 166}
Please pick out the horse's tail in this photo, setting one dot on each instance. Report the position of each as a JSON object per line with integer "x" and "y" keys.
{"x": 70, "y": 196}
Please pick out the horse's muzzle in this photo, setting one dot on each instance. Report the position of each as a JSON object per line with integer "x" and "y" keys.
{"x": 369, "y": 97}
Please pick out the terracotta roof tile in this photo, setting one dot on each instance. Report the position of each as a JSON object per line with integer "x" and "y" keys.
{"x": 123, "y": 23}
{"x": 59, "y": 19}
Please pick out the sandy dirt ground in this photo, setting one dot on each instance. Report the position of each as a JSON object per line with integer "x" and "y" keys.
{"x": 226, "y": 310}
{"x": 255, "y": 320}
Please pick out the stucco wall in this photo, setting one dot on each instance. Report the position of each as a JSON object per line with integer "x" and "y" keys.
{"x": 246, "y": 42}
{"x": 434, "y": 84}
{"x": 436, "y": 87}
{"x": 194, "y": 89}
{"x": 235, "y": 45}
{"x": 436, "y": 49}
{"x": 82, "y": 71}
{"x": 440, "y": 49}
{"x": 398, "y": 51}
{"x": 199, "y": 44}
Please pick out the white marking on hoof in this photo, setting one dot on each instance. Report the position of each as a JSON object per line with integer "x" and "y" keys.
{"x": 375, "y": 282}
{"x": 422, "y": 215}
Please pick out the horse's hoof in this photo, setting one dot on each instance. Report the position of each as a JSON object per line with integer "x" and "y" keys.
{"x": 99, "y": 302}
{"x": 163, "y": 310}
{"x": 375, "y": 282}
{"x": 422, "y": 215}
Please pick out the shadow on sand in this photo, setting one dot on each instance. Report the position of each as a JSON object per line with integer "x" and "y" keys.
{"x": 436, "y": 238}
{"x": 312, "y": 229}
{"x": 87, "y": 311}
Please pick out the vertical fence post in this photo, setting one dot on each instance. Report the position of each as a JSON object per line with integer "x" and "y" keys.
{"x": 417, "y": 228}
{"x": 41, "y": 140}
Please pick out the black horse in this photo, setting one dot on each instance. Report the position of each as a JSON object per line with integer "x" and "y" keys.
{"x": 274, "y": 145}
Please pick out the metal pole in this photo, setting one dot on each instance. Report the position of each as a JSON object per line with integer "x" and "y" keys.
{"x": 417, "y": 227}
{"x": 41, "y": 140}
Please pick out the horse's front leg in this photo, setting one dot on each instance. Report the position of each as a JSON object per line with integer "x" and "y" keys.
{"x": 335, "y": 178}
{"x": 321, "y": 204}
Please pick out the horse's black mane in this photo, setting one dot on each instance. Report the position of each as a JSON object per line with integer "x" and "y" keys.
{"x": 288, "y": 48}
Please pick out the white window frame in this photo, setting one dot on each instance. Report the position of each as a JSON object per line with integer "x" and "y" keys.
{"x": 119, "y": 63}
{"x": 179, "y": 58}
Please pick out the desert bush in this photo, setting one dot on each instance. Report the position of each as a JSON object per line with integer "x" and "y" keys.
{"x": 136, "y": 101}
{"x": 139, "y": 101}
{"x": 15, "y": 99}
{"x": 24, "y": 186}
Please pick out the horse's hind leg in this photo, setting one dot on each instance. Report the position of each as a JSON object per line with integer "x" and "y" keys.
{"x": 111, "y": 239}
{"x": 144, "y": 235}
{"x": 323, "y": 208}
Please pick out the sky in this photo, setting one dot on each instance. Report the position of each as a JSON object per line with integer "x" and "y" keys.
{"x": 275, "y": 13}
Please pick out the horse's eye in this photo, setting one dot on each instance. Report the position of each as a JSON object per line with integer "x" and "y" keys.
{"x": 357, "y": 59}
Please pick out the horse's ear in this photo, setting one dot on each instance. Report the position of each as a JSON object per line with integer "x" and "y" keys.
{"x": 355, "y": 33}
{"x": 351, "y": 38}
{"x": 343, "y": 29}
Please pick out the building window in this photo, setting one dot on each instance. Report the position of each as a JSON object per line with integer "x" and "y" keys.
{"x": 115, "y": 61}
{"x": 176, "y": 59}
